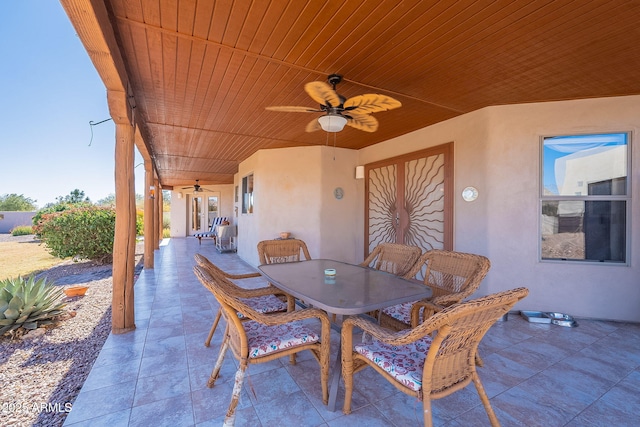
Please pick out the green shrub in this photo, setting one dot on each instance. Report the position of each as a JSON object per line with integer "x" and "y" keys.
{"x": 139, "y": 222}
{"x": 22, "y": 230}
{"x": 56, "y": 207}
{"x": 28, "y": 303}
{"x": 81, "y": 232}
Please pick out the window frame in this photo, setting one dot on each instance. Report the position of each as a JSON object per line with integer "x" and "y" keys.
{"x": 247, "y": 202}
{"x": 627, "y": 198}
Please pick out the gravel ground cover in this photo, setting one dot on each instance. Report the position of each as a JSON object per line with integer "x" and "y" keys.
{"x": 42, "y": 372}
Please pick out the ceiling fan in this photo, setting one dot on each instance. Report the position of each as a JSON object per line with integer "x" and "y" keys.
{"x": 196, "y": 187}
{"x": 339, "y": 111}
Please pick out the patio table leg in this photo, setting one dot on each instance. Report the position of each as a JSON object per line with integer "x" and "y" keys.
{"x": 334, "y": 384}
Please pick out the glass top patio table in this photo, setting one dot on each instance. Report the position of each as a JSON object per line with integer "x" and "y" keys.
{"x": 355, "y": 289}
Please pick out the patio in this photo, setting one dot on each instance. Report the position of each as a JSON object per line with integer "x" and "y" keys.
{"x": 535, "y": 374}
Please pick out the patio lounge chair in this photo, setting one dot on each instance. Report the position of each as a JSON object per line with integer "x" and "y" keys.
{"x": 268, "y": 299}
{"x": 212, "y": 230}
{"x": 265, "y": 337}
{"x": 432, "y": 360}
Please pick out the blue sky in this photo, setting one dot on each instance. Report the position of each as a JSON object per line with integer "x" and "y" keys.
{"x": 50, "y": 91}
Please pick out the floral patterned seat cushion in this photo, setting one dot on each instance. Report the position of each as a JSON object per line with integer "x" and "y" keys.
{"x": 264, "y": 304}
{"x": 403, "y": 362}
{"x": 401, "y": 312}
{"x": 263, "y": 339}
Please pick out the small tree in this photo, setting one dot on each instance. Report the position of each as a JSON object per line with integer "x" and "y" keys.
{"x": 76, "y": 196}
{"x": 16, "y": 202}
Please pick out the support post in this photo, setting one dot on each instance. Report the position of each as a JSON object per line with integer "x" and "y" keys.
{"x": 122, "y": 316}
{"x": 149, "y": 214}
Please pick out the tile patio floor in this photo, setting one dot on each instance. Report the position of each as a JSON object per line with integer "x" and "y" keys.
{"x": 535, "y": 375}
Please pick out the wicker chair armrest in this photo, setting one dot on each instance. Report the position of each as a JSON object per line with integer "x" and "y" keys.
{"x": 449, "y": 299}
{"x": 428, "y": 309}
{"x": 241, "y": 276}
{"x": 380, "y": 333}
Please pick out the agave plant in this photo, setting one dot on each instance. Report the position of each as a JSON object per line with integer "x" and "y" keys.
{"x": 28, "y": 303}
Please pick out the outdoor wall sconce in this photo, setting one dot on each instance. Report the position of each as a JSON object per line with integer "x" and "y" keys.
{"x": 179, "y": 194}
{"x": 359, "y": 172}
{"x": 152, "y": 192}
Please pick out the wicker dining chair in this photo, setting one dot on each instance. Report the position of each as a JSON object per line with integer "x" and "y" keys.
{"x": 432, "y": 360}
{"x": 393, "y": 258}
{"x": 284, "y": 250}
{"x": 452, "y": 276}
{"x": 267, "y": 299}
{"x": 265, "y": 337}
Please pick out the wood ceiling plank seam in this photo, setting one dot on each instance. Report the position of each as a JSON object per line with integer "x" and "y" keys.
{"x": 230, "y": 69}
{"x": 203, "y": 18}
{"x": 211, "y": 97}
{"x": 169, "y": 15}
{"x": 130, "y": 8}
{"x": 169, "y": 64}
{"x": 253, "y": 21}
{"x": 565, "y": 49}
{"x": 230, "y": 109}
{"x": 524, "y": 35}
{"x": 236, "y": 18}
{"x": 544, "y": 48}
{"x": 154, "y": 43}
{"x": 186, "y": 17}
{"x": 324, "y": 23}
{"x": 183, "y": 73}
{"x": 281, "y": 28}
{"x": 267, "y": 25}
{"x": 297, "y": 31}
{"x": 465, "y": 52}
{"x": 251, "y": 108}
{"x": 151, "y": 12}
{"x": 413, "y": 48}
{"x": 352, "y": 33}
{"x": 339, "y": 41}
{"x": 204, "y": 84}
{"x": 362, "y": 47}
{"x": 220, "y": 20}
{"x": 143, "y": 62}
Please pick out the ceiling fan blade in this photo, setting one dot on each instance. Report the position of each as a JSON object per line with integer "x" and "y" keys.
{"x": 362, "y": 122}
{"x": 292, "y": 109}
{"x": 322, "y": 93}
{"x": 371, "y": 103}
{"x": 313, "y": 126}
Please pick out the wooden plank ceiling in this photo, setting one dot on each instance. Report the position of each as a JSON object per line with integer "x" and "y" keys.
{"x": 203, "y": 72}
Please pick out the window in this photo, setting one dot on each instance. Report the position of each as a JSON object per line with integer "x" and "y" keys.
{"x": 247, "y": 194}
{"x": 585, "y": 198}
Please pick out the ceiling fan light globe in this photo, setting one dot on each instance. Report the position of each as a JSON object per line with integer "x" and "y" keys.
{"x": 332, "y": 122}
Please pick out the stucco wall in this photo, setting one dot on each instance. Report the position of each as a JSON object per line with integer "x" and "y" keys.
{"x": 497, "y": 150}
{"x": 180, "y": 207}
{"x": 11, "y": 219}
{"x": 293, "y": 191}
